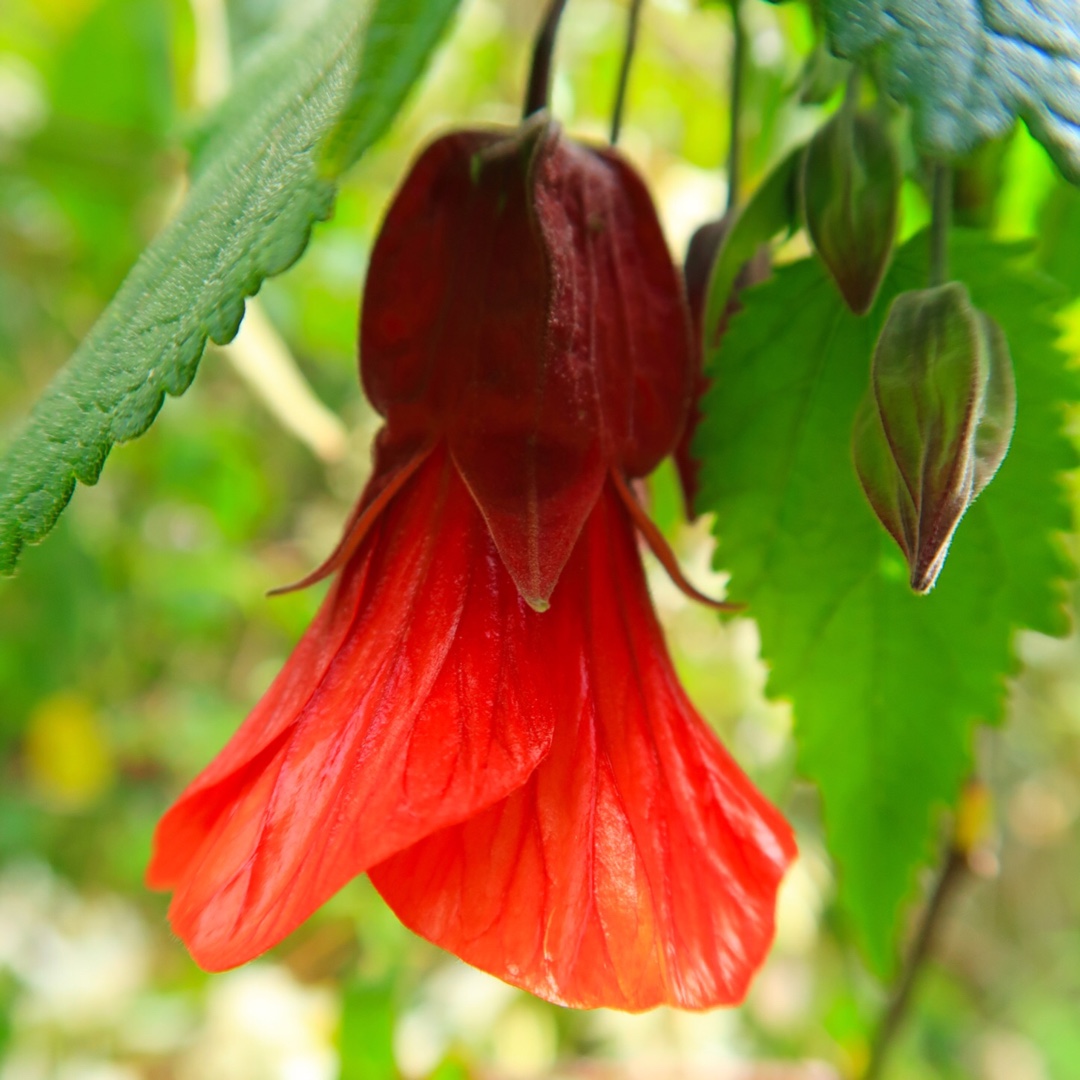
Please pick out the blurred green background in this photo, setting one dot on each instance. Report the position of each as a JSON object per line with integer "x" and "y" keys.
{"x": 136, "y": 638}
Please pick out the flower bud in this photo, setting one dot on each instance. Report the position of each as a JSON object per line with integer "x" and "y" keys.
{"x": 701, "y": 255}
{"x": 851, "y": 188}
{"x": 936, "y": 422}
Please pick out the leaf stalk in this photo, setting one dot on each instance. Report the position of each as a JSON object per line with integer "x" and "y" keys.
{"x": 632, "y": 24}
{"x": 738, "y": 70}
{"x": 940, "y": 223}
{"x": 538, "y": 94}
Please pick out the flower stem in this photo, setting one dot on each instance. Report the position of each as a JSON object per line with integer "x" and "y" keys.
{"x": 632, "y": 22}
{"x": 949, "y": 877}
{"x": 852, "y": 90}
{"x": 940, "y": 223}
{"x": 738, "y": 68}
{"x": 538, "y": 95}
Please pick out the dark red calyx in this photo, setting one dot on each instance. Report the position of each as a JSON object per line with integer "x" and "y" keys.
{"x": 522, "y": 305}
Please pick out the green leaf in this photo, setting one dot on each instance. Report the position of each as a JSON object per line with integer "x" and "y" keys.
{"x": 113, "y": 75}
{"x": 887, "y": 685}
{"x": 310, "y": 106}
{"x": 1059, "y": 237}
{"x": 969, "y": 67}
{"x": 365, "y": 1044}
{"x": 399, "y": 38}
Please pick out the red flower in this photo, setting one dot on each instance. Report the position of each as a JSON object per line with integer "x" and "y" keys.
{"x": 528, "y": 788}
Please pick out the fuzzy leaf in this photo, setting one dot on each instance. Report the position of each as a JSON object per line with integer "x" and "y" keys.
{"x": 887, "y": 686}
{"x": 311, "y": 106}
{"x": 969, "y": 67}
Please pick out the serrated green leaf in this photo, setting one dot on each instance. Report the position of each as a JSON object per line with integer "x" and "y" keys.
{"x": 398, "y": 39}
{"x": 969, "y": 68}
{"x": 887, "y": 686}
{"x": 1059, "y": 237}
{"x": 309, "y": 107}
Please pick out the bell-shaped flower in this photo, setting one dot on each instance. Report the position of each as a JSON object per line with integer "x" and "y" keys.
{"x": 936, "y": 423}
{"x": 483, "y": 716}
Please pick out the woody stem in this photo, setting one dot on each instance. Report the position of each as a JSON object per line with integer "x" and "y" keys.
{"x": 538, "y": 94}
{"x": 633, "y": 19}
{"x": 949, "y": 877}
{"x": 939, "y": 224}
{"x": 738, "y": 68}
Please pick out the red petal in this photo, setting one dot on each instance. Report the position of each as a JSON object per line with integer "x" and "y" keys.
{"x": 418, "y": 697}
{"x": 638, "y": 866}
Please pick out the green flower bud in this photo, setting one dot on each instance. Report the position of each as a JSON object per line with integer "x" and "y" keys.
{"x": 851, "y": 192}
{"x": 936, "y": 421}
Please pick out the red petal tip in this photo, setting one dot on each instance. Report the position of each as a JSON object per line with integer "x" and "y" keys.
{"x": 418, "y": 697}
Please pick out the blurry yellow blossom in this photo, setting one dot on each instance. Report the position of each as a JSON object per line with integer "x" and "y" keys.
{"x": 68, "y": 759}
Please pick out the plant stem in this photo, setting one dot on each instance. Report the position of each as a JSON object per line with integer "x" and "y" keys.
{"x": 624, "y": 70}
{"x": 852, "y": 90}
{"x": 538, "y": 95}
{"x": 951, "y": 873}
{"x": 738, "y": 66}
{"x": 940, "y": 223}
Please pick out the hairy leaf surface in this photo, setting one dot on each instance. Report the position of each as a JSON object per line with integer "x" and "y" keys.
{"x": 887, "y": 685}
{"x": 310, "y": 107}
{"x": 969, "y": 67}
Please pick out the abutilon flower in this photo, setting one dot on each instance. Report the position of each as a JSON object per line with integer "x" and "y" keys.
{"x": 483, "y": 716}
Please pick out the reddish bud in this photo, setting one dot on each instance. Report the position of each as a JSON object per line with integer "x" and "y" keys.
{"x": 701, "y": 255}
{"x": 936, "y": 423}
{"x": 851, "y": 190}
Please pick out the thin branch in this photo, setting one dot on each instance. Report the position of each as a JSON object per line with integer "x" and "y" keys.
{"x": 738, "y": 69}
{"x": 852, "y": 90}
{"x": 940, "y": 224}
{"x": 632, "y": 22}
{"x": 538, "y": 95}
{"x": 951, "y": 874}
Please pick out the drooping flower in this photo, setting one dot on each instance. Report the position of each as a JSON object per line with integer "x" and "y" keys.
{"x": 483, "y": 716}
